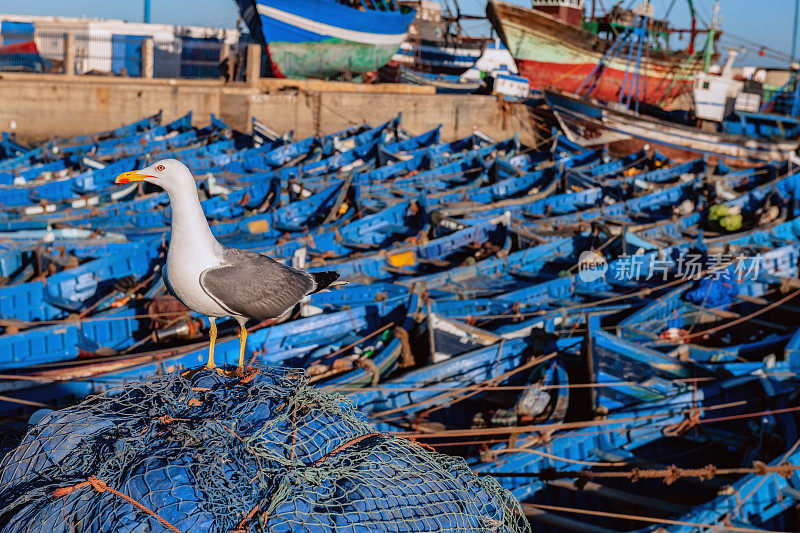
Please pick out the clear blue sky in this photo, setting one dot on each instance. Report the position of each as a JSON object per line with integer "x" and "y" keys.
{"x": 767, "y": 22}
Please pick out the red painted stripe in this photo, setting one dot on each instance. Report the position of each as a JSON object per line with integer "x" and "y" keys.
{"x": 568, "y": 77}
{"x": 27, "y": 47}
{"x": 276, "y": 71}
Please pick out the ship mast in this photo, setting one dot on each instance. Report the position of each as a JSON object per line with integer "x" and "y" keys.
{"x": 630, "y": 43}
{"x": 709, "y": 51}
{"x": 794, "y": 31}
{"x": 693, "y": 33}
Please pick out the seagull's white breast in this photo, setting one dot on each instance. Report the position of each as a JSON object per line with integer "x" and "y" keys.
{"x": 184, "y": 266}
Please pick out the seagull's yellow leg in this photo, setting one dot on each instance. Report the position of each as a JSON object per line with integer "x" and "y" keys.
{"x": 242, "y": 344}
{"x": 212, "y": 340}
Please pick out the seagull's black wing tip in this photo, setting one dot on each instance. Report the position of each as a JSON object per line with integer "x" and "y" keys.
{"x": 324, "y": 279}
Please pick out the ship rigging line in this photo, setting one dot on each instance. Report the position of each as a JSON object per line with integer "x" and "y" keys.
{"x": 527, "y": 507}
{"x": 486, "y": 318}
{"x": 776, "y": 53}
{"x": 602, "y": 422}
{"x": 739, "y": 320}
{"x": 670, "y": 474}
{"x": 742, "y": 501}
{"x": 380, "y": 416}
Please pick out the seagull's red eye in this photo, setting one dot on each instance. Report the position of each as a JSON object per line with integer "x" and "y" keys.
{"x": 160, "y": 168}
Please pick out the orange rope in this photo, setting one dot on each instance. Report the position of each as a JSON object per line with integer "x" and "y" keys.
{"x": 739, "y": 505}
{"x": 734, "y": 322}
{"x": 344, "y": 446}
{"x": 24, "y": 402}
{"x": 567, "y": 73}
{"x": 643, "y": 518}
{"x": 247, "y": 518}
{"x": 559, "y": 458}
{"x": 692, "y": 419}
{"x": 422, "y": 444}
{"x": 101, "y": 487}
{"x": 582, "y": 423}
{"x": 457, "y": 391}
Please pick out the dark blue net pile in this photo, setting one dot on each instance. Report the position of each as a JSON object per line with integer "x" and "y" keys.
{"x": 207, "y": 452}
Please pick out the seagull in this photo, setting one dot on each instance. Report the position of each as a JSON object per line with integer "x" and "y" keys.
{"x": 215, "y": 280}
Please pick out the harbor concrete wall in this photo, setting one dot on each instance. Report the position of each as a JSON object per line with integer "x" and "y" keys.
{"x": 38, "y": 106}
{"x": 42, "y": 106}
{"x": 332, "y": 111}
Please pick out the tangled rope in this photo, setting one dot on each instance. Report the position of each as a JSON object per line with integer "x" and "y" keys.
{"x": 101, "y": 487}
{"x": 669, "y": 475}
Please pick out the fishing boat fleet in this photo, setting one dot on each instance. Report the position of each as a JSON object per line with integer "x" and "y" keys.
{"x": 605, "y": 322}
{"x": 613, "y": 339}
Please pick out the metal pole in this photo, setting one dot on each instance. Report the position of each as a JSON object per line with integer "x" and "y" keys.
{"x": 622, "y": 89}
{"x": 147, "y": 11}
{"x": 638, "y": 66}
{"x": 592, "y": 323}
{"x": 611, "y": 52}
{"x": 794, "y": 30}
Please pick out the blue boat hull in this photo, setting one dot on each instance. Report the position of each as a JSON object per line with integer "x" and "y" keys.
{"x": 317, "y": 38}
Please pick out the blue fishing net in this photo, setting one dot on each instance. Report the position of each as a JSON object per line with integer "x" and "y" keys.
{"x": 203, "y": 451}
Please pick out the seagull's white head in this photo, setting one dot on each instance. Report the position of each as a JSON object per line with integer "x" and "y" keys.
{"x": 169, "y": 174}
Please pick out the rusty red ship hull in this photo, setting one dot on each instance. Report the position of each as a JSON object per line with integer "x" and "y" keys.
{"x": 554, "y": 53}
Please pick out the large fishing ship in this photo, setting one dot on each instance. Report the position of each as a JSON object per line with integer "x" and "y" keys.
{"x": 556, "y": 46}
{"x": 327, "y": 38}
{"x": 436, "y": 42}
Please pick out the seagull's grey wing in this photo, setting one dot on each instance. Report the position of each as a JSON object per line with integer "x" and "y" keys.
{"x": 255, "y": 285}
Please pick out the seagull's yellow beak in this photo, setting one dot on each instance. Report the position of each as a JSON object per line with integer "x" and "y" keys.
{"x": 127, "y": 177}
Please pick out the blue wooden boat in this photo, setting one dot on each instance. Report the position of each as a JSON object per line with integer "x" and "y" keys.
{"x": 503, "y": 274}
{"x": 10, "y": 147}
{"x": 554, "y": 205}
{"x": 470, "y": 322}
{"x": 284, "y": 154}
{"x": 576, "y": 179}
{"x": 81, "y": 141}
{"x": 491, "y": 238}
{"x": 626, "y": 432}
{"x": 453, "y": 148}
{"x": 303, "y": 342}
{"x": 628, "y": 374}
{"x": 429, "y": 397}
{"x": 443, "y": 83}
{"x": 326, "y": 38}
{"x": 370, "y": 232}
{"x": 631, "y": 442}
{"x": 511, "y": 191}
{"x": 676, "y": 322}
{"x": 649, "y": 207}
{"x": 577, "y": 116}
{"x": 394, "y": 151}
{"x": 753, "y": 204}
